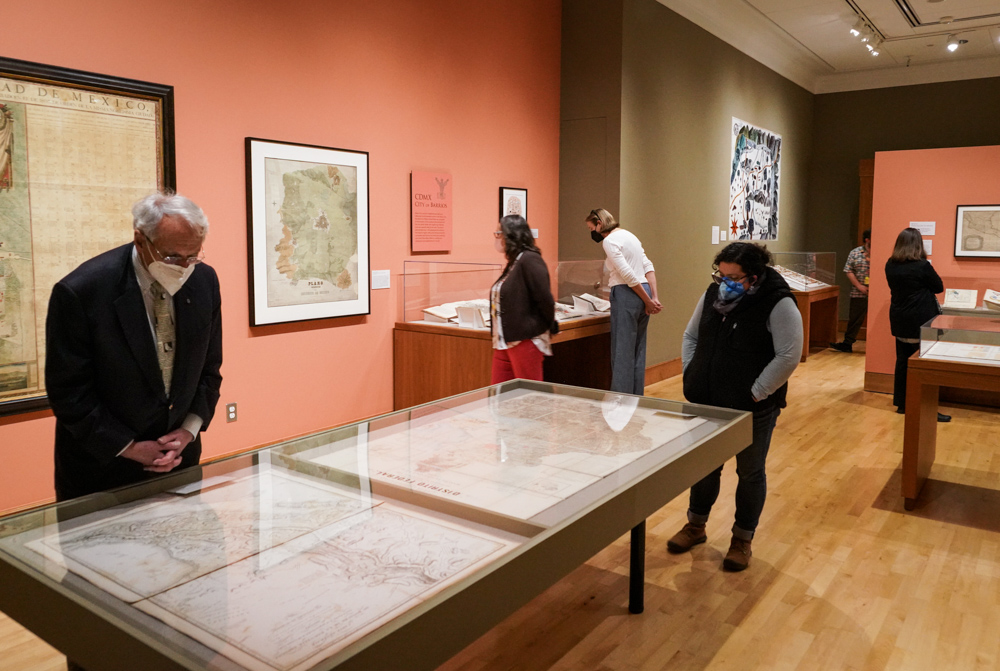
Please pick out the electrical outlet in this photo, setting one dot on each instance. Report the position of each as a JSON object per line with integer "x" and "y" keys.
{"x": 230, "y": 412}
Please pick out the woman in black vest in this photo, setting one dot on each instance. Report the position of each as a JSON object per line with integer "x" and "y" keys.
{"x": 522, "y": 311}
{"x": 912, "y": 283}
{"x": 742, "y": 344}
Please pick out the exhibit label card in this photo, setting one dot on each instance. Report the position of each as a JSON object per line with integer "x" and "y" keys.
{"x": 925, "y": 227}
{"x": 430, "y": 211}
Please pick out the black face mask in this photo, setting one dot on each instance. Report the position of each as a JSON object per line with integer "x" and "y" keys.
{"x": 596, "y": 237}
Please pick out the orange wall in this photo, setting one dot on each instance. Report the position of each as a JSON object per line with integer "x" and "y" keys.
{"x": 927, "y": 185}
{"x": 466, "y": 87}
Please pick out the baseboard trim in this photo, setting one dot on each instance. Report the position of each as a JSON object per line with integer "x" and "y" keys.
{"x": 879, "y": 382}
{"x": 662, "y": 371}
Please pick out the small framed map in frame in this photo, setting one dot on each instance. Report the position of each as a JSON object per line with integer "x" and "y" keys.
{"x": 307, "y": 232}
{"x": 977, "y": 231}
{"x": 513, "y": 201}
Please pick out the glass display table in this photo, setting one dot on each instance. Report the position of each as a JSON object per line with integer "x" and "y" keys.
{"x": 811, "y": 277}
{"x": 433, "y": 356}
{"x": 390, "y": 543}
{"x": 959, "y": 352}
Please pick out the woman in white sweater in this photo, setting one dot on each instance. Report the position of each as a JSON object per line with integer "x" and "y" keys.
{"x": 633, "y": 299}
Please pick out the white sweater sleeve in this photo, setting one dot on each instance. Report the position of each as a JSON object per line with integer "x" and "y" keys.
{"x": 613, "y": 249}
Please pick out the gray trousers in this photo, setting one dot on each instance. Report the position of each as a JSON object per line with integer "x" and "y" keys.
{"x": 628, "y": 340}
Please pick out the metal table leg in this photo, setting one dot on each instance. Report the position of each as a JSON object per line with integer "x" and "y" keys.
{"x": 637, "y": 569}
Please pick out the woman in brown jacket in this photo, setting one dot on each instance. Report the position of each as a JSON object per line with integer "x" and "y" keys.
{"x": 522, "y": 311}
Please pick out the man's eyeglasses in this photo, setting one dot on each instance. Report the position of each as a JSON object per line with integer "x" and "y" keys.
{"x": 174, "y": 260}
{"x": 717, "y": 277}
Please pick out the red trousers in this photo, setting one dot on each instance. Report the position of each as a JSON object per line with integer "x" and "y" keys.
{"x": 523, "y": 361}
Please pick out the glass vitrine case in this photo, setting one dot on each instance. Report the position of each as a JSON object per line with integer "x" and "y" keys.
{"x": 581, "y": 289}
{"x": 969, "y": 339}
{"x": 383, "y": 544}
{"x": 805, "y": 271}
{"x": 434, "y": 290}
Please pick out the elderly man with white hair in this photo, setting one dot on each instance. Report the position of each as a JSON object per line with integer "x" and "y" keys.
{"x": 134, "y": 348}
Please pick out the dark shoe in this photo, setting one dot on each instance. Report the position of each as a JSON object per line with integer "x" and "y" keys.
{"x": 842, "y": 347}
{"x": 944, "y": 418}
{"x": 687, "y": 538}
{"x": 738, "y": 557}
{"x": 901, "y": 410}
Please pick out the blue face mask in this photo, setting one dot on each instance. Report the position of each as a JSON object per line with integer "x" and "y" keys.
{"x": 730, "y": 289}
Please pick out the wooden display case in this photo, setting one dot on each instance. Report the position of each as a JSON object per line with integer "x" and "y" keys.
{"x": 819, "y": 308}
{"x": 432, "y": 361}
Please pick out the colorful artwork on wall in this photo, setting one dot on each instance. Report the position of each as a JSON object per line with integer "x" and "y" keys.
{"x": 753, "y": 182}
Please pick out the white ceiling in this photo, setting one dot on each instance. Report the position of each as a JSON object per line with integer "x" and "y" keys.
{"x": 809, "y": 41}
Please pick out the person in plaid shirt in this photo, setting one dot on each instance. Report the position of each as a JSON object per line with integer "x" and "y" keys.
{"x": 856, "y": 269}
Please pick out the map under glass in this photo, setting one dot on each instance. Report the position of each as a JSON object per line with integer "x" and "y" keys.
{"x": 980, "y": 231}
{"x": 516, "y": 453}
{"x": 311, "y": 232}
{"x": 273, "y": 570}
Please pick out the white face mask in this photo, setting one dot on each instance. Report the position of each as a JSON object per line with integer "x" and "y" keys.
{"x": 171, "y": 278}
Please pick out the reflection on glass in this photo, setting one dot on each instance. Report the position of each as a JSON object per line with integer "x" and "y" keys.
{"x": 515, "y": 453}
{"x": 963, "y": 339}
{"x": 278, "y": 560}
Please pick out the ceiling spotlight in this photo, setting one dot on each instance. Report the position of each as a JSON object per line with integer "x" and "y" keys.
{"x": 858, "y": 25}
{"x": 953, "y": 43}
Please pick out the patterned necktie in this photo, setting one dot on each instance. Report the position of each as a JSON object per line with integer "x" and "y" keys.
{"x": 164, "y": 333}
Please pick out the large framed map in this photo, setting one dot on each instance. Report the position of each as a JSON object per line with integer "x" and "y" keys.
{"x": 977, "y": 231}
{"x": 307, "y": 232}
{"x": 753, "y": 182}
{"x": 76, "y": 150}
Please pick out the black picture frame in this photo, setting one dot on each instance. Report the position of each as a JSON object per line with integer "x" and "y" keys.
{"x": 520, "y": 196}
{"x": 112, "y": 91}
{"x": 270, "y": 300}
{"x": 964, "y": 243}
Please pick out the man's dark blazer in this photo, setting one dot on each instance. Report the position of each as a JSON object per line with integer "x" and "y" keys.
{"x": 102, "y": 375}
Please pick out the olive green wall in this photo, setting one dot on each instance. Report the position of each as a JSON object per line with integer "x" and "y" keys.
{"x": 854, "y": 125}
{"x": 680, "y": 89}
{"x": 590, "y": 120}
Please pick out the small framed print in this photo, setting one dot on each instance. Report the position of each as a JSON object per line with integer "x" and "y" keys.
{"x": 513, "y": 201}
{"x": 977, "y": 231}
{"x": 307, "y": 232}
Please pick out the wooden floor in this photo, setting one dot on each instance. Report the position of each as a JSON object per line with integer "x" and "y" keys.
{"x": 841, "y": 578}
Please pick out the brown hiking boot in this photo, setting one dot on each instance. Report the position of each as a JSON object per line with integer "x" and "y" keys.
{"x": 738, "y": 557}
{"x": 687, "y": 538}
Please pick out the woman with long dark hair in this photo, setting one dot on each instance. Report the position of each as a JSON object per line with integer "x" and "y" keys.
{"x": 522, "y": 310}
{"x": 913, "y": 282}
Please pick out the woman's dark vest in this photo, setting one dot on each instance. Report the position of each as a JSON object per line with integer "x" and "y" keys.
{"x": 734, "y": 349}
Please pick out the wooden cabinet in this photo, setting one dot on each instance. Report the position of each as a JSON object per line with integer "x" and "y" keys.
{"x": 432, "y": 361}
{"x": 924, "y": 379}
{"x": 819, "y": 317}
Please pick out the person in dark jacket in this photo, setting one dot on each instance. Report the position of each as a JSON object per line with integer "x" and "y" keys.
{"x": 740, "y": 347}
{"x": 132, "y": 366}
{"x": 522, "y": 310}
{"x": 912, "y": 284}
